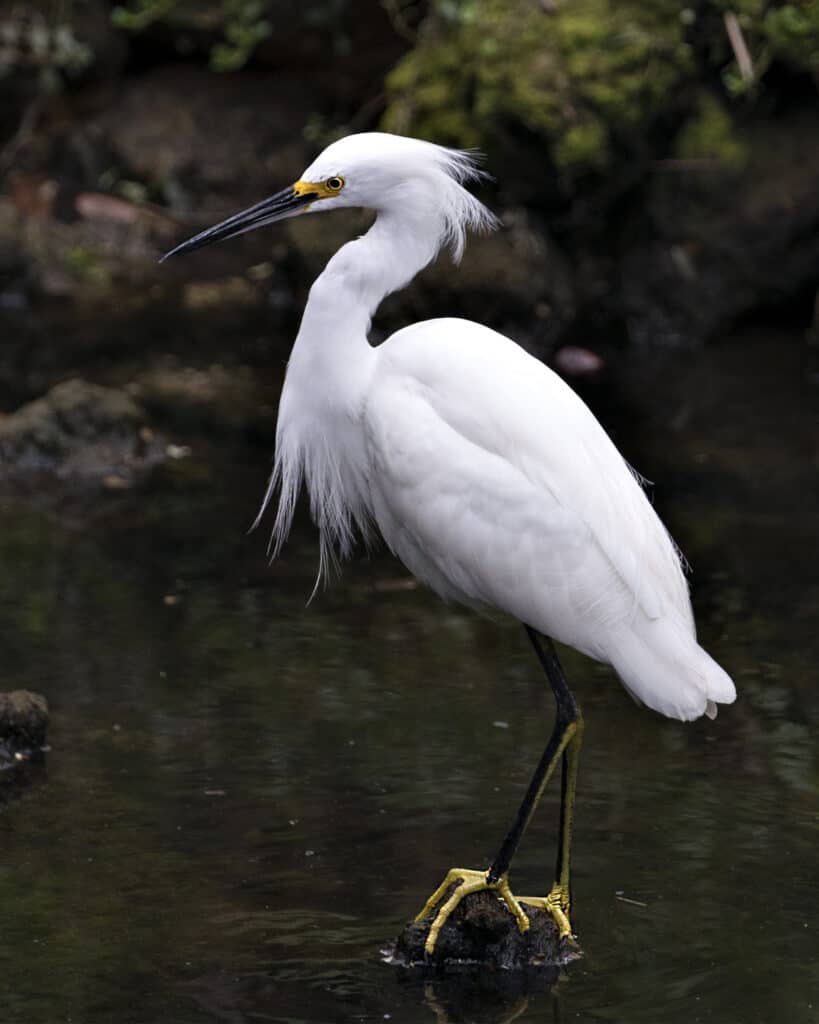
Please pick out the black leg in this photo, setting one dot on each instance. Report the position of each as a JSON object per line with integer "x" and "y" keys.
{"x": 563, "y": 746}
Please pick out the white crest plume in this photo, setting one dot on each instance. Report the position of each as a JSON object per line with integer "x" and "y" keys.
{"x": 460, "y": 210}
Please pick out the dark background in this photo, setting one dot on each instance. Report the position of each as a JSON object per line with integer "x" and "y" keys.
{"x": 245, "y": 798}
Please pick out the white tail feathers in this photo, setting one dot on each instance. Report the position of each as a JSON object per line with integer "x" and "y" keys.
{"x": 662, "y": 665}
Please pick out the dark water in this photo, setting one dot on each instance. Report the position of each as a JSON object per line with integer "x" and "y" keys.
{"x": 246, "y": 798}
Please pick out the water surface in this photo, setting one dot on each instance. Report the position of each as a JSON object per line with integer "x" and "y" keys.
{"x": 246, "y": 798}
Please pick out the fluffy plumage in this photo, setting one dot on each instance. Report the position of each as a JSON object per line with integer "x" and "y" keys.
{"x": 483, "y": 471}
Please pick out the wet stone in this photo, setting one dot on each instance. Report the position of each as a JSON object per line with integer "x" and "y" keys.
{"x": 482, "y": 931}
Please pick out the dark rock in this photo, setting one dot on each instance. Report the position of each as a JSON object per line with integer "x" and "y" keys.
{"x": 706, "y": 247}
{"x": 482, "y": 931}
{"x": 23, "y": 723}
{"x": 78, "y": 430}
{"x": 241, "y": 134}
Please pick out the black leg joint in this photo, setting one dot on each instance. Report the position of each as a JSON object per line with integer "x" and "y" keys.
{"x": 567, "y": 709}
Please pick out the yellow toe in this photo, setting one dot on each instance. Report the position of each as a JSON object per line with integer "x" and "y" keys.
{"x": 459, "y": 883}
{"x": 556, "y": 904}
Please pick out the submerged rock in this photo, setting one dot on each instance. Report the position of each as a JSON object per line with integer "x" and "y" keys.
{"x": 481, "y": 931}
{"x": 78, "y": 430}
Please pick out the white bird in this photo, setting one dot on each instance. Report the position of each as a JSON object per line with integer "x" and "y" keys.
{"x": 481, "y": 469}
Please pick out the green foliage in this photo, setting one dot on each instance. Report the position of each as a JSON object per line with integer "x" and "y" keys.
{"x": 709, "y": 134}
{"x": 793, "y": 33}
{"x": 242, "y": 24}
{"x": 583, "y": 145}
{"x": 586, "y": 77}
{"x": 783, "y": 32}
{"x": 140, "y": 14}
{"x": 593, "y": 79}
{"x": 245, "y": 28}
{"x": 48, "y": 47}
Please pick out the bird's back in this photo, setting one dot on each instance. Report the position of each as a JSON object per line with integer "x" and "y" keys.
{"x": 495, "y": 484}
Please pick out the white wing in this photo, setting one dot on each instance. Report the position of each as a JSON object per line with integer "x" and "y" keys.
{"x": 495, "y": 484}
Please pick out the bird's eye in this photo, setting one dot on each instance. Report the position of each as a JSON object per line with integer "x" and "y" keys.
{"x": 334, "y": 184}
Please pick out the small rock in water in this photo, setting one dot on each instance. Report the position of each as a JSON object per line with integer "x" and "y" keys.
{"x": 482, "y": 931}
{"x": 23, "y": 721}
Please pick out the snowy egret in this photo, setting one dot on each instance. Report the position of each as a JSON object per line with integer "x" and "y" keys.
{"x": 482, "y": 470}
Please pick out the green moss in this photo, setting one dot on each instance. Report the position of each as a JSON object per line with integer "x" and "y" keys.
{"x": 139, "y": 14}
{"x": 597, "y": 81}
{"x": 579, "y": 77}
{"x": 710, "y": 135}
{"x": 243, "y": 24}
{"x": 87, "y": 265}
{"x": 583, "y": 145}
{"x": 793, "y": 33}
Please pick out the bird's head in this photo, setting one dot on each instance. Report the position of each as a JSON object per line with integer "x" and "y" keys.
{"x": 377, "y": 171}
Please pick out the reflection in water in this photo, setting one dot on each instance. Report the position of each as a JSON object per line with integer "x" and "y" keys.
{"x": 247, "y": 798}
{"x": 482, "y": 999}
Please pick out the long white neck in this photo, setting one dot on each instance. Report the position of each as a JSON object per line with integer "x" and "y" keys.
{"x": 361, "y": 274}
{"x": 318, "y": 431}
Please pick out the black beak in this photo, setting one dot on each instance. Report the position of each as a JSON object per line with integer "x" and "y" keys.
{"x": 277, "y": 207}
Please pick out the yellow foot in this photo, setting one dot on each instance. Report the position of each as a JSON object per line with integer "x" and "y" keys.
{"x": 557, "y": 905}
{"x": 464, "y": 883}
